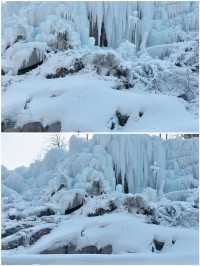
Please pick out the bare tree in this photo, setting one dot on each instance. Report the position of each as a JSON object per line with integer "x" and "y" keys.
{"x": 57, "y": 141}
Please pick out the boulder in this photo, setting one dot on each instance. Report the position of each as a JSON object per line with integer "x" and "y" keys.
{"x": 68, "y": 201}
{"x": 122, "y": 118}
{"x": 35, "y": 59}
{"x": 32, "y": 127}
{"x": 158, "y": 244}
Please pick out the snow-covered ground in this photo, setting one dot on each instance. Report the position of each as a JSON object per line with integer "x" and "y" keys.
{"x": 144, "y": 78}
{"x": 113, "y": 199}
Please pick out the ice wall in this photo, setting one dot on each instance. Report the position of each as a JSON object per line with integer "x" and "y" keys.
{"x": 141, "y": 161}
{"x": 143, "y": 23}
{"x": 135, "y": 161}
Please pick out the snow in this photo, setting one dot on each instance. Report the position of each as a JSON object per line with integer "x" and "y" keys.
{"x": 75, "y": 107}
{"x": 80, "y": 195}
{"x": 104, "y": 230}
{"x": 150, "y": 65}
{"x": 128, "y": 259}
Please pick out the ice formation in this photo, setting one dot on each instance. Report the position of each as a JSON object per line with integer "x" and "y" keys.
{"x": 138, "y": 22}
{"x": 134, "y": 161}
{"x": 73, "y": 202}
{"x": 127, "y": 52}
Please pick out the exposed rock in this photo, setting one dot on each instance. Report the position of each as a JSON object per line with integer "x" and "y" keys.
{"x": 54, "y": 127}
{"x": 68, "y": 200}
{"x": 137, "y": 202}
{"x": 12, "y": 230}
{"x": 105, "y": 63}
{"x": 61, "y": 72}
{"x": 37, "y": 235}
{"x": 183, "y": 96}
{"x": 46, "y": 212}
{"x": 36, "y": 58}
{"x": 14, "y": 217}
{"x": 13, "y": 243}
{"x": 122, "y": 118}
{"x": 24, "y": 238}
{"x": 158, "y": 244}
{"x": 72, "y": 249}
{"x": 7, "y": 125}
{"x": 101, "y": 211}
{"x": 32, "y": 127}
{"x": 70, "y": 210}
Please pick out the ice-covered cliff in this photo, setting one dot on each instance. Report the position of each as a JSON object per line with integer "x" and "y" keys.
{"x": 110, "y": 23}
{"x": 135, "y": 161}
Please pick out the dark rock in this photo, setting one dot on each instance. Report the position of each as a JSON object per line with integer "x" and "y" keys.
{"x": 26, "y": 105}
{"x": 75, "y": 203}
{"x": 78, "y": 65}
{"x": 32, "y": 127}
{"x": 141, "y": 114}
{"x": 12, "y": 230}
{"x": 122, "y": 118}
{"x": 46, "y": 212}
{"x": 183, "y": 96}
{"x": 178, "y": 64}
{"x": 60, "y": 250}
{"x": 19, "y": 38}
{"x": 101, "y": 211}
{"x": 14, "y": 243}
{"x": 14, "y": 217}
{"x": 72, "y": 249}
{"x": 54, "y": 127}
{"x": 2, "y": 72}
{"x": 158, "y": 244}
{"x": 33, "y": 62}
{"x": 112, "y": 125}
{"x": 70, "y": 210}
{"x": 63, "y": 71}
{"x": 106, "y": 250}
{"x": 7, "y": 124}
{"x": 36, "y": 236}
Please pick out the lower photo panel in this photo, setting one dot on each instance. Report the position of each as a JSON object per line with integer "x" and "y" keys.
{"x": 100, "y": 198}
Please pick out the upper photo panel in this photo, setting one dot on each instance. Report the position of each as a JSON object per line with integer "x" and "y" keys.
{"x": 100, "y": 66}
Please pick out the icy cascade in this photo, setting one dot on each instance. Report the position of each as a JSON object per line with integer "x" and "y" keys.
{"x": 143, "y": 161}
{"x": 85, "y": 166}
{"x": 99, "y": 164}
{"x": 110, "y": 23}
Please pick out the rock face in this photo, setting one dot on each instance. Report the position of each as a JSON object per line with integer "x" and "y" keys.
{"x": 32, "y": 127}
{"x": 68, "y": 201}
{"x": 36, "y": 58}
{"x": 37, "y": 235}
{"x": 72, "y": 249}
{"x": 12, "y": 230}
{"x": 9, "y": 126}
{"x": 24, "y": 237}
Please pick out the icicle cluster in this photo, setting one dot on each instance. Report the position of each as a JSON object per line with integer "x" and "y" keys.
{"x": 142, "y": 161}
{"x": 110, "y": 23}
